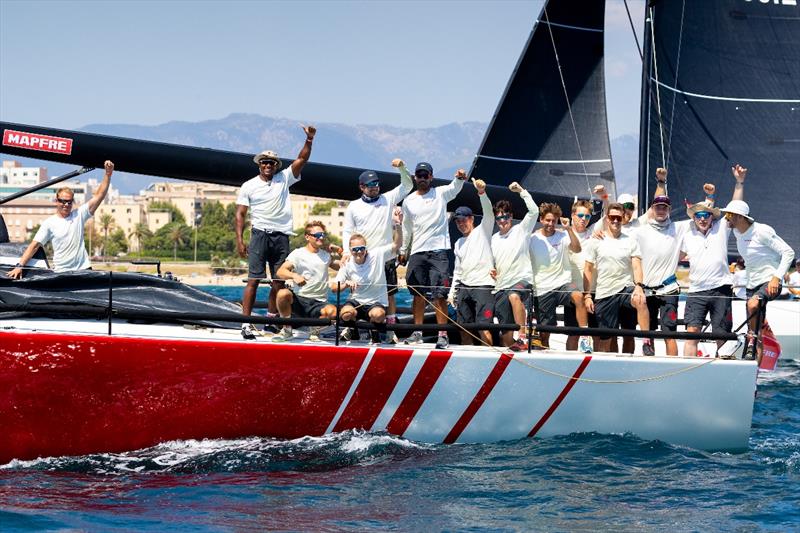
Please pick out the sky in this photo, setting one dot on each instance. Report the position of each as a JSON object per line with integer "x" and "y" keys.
{"x": 415, "y": 64}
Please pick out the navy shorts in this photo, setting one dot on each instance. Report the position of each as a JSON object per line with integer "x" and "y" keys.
{"x": 761, "y": 292}
{"x": 717, "y": 302}
{"x": 571, "y": 319}
{"x": 362, "y": 311}
{"x": 390, "y": 269}
{"x": 303, "y": 307}
{"x": 546, "y": 313}
{"x": 608, "y": 309}
{"x": 266, "y": 247}
{"x": 427, "y": 273}
{"x": 502, "y": 307}
{"x": 475, "y": 304}
{"x": 663, "y": 310}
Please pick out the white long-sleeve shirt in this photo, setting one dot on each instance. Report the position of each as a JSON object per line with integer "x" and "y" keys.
{"x": 373, "y": 220}
{"x": 765, "y": 254}
{"x": 425, "y": 218}
{"x": 511, "y": 258}
{"x": 472, "y": 253}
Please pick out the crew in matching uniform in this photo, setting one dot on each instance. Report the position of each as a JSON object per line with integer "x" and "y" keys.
{"x": 581, "y": 216}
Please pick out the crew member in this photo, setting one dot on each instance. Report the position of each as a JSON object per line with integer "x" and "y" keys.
{"x": 581, "y": 216}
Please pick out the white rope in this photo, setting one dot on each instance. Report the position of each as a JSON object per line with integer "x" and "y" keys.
{"x": 658, "y": 94}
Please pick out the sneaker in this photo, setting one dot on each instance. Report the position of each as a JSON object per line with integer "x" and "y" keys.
{"x": 414, "y": 338}
{"x": 346, "y": 335}
{"x": 313, "y": 333}
{"x": 270, "y": 328}
{"x": 390, "y": 338}
{"x": 442, "y": 342}
{"x": 374, "y": 337}
{"x": 520, "y": 345}
{"x": 585, "y": 344}
{"x": 285, "y": 334}
{"x": 249, "y": 332}
{"x": 647, "y": 348}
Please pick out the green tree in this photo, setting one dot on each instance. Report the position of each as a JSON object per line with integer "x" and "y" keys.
{"x": 177, "y": 215}
{"x": 179, "y": 235}
{"x": 116, "y": 243}
{"x": 323, "y": 208}
{"x": 106, "y": 223}
{"x": 140, "y": 233}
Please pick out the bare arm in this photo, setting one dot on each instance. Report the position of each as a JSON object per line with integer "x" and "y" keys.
{"x": 286, "y": 271}
{"x": 638, "y": 276}
{"x": 574, "y": 242}
{"x": 26, "y": 256}
{"x": 661, "y": 182}
{"x": 241, "y": 213}
{"x": 102, "y": 190}
{"x": 305, "y": 151}
{"x": 588, "y": 279}
{"x": 740, "y": 173}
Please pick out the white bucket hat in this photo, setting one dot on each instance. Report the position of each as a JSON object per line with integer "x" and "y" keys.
{"x": 738, "y": 207}
{"x": 268, "y": 154}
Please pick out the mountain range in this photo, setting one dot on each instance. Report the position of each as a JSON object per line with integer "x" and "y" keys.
{"x": 446, "y": 147}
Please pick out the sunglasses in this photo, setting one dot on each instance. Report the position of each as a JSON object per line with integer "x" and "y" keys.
{"x": 270, "y": 162}
{"x": 502, "y": 218}
{"x": 628, "y": 205}
{"x": 375, "y": 183}
{"x": 358, "y": 249}
{"x": 318, "y": 235}
{"x": 728, "y": 216}
{"x": 65, "y": 202}
{"x": 702, "y": 214}
{"x": 587, "y": 216}
{"x": 423, "y": 175}
{"x": 614, "y": 218}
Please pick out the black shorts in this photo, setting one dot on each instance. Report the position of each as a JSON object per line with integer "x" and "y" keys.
{"x": 427, "y": 273}
{"x": 475, "y": 304}
{"x": 571, "y": 320}
{"x": 546, "y": 313}
{"x": 390, "y": 269}
{"x": 266, "y": 247}
{"x": 502, "y": 307}
{"x": 663, "y": 311}
{"x": 608, "y": 310}
{"x": 362, "y": 311}
{"x": 761, "y": 292}
{"x": 306, "y": 307}
{"x": 717, "y": 302}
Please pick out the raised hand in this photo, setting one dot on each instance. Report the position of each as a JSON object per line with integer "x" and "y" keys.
{"x": 709, "y": 189}
{"x": 310, "y": 131}
{"x": 661, "y": 174}
{"x": 564, "y": 221}
{"x": 600, "y": 191}
{"x": 515, "y": 187}
{"x": 397, "y": 163}
{"x": 109, "y": 166}
{"x": 739, "y": 172}
{"x": 480, "y": 185}
{"x": 461, "y": 174}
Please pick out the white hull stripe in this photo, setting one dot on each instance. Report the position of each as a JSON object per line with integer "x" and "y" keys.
{"x": 581, "y": 28}
{"x": 400, "y": 389}
{"x": 727, "y": 98}
{"x": 552, "y": 161}
{"x": 353, "y": 387}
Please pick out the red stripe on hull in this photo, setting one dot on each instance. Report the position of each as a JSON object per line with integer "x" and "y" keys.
{"x": 376, "y": 386}
{"x": 78, "y": 394}
{"x": 415, "y": 397}
{"x": 568, "y": 387}
{"x": 483, "y": 393}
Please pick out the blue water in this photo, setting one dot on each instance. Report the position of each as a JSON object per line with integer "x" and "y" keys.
{"x": 356, "y": 481}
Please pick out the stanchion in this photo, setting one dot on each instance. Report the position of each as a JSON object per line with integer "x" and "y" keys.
{"x": 530, "y": 321}
{"x": 338, "y": 310}
{"x": 110, "y": 285}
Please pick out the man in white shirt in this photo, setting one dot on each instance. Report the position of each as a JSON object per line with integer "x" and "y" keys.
{"x": 581, "y": 216}
{"x": 425, "y": 228}
{"x": 552, "y": 274}
{"x": 308, "y": 268}
{"x": 65, "y": 229}
{"x": 471, "y": 290}
{"x": 371, "y": 216}
{"x": 513, "y": 274}
{"x": 267, "y": 197}
{"x": 615, "y": 265}
{"x": 364, "y": 274}
{"x": 766, "y": 255}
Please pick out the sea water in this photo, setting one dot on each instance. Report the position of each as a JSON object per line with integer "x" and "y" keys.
{"x": 357, "y": 481}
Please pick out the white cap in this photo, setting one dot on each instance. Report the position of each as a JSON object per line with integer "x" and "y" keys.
{"x": 626, "y": 198}
{"x": 738, "y": 207}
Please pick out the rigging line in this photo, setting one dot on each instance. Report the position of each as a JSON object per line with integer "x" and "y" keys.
{"x": 566, "y": 97}
{"x": 727, "y": 98}
{"x": 675, "y": 95}
{"x": 551, "y": 161}
{"x": 633, "y": 31}
{"x": 658, "y": 93}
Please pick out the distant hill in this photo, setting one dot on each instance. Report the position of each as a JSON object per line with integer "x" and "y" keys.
{"x": 447, "y": 147}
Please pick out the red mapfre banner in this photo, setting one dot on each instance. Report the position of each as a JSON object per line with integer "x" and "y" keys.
{"x": 34, "y": 141}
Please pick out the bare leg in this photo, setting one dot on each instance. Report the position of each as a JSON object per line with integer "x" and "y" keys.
{"x": 690, "y": 346}
{"x": 276, "y": 285}
{"x": 518, "y": 310}
{"x": 284, "y": 300}
{"x": 418, "y": 308}
{"x": 249, "y": 296}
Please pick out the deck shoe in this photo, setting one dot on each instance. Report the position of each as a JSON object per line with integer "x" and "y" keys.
{"x": 520, "y": 345}
{"x": 313, "y": 333}
{"x": 414, "y": 338}
{"x": 285, "y": 334}
{"x": 391, "y": 338}
{"x": 442, "y": 342}
{"x": 346, "y": 335}
{"x": 249, "y": 332}
{"x": 585, "y": 344}
{"x": 375, "y": 337}
{"x": 647, "y": 348}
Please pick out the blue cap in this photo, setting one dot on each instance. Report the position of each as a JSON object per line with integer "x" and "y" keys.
{"x": 462, "y": 212}
{"x": 367, "y": 176}
{"x": 423, "y": 166}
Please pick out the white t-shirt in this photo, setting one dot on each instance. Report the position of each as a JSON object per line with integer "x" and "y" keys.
{"x": 576, "y": 260}
{"x": 550, "y": 258}
{"x": 313, "y": 267}
{"x": 472, "y": 253}
{"x": 425, "y": 218}
{"x": 374, "y": 220}
{"x": 270, "y": 208}
{"x": 612, "y": 262}
{"x": 661, "y": 250}
{"x": 740, "y": 284}
{"x": 370, "y": 276}
{"x": 511, "y": 257}
{"x": 69, "y": 252}
{"x": 708, "y": 256}
{"x": 765, "y": 254}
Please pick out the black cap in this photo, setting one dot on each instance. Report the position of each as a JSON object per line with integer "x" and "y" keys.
{"x": 462, "y": 211}
{"x": 661, "y": 200}
{"x": 423, "y": 166}
{"x": 367, "y": 176}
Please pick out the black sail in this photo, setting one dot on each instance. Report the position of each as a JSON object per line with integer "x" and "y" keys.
{"x": 722, "y": 86}
{"x": 549, "y": 131}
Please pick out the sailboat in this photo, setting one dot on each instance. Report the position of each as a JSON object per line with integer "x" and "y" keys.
{"x": 107, "y": 375}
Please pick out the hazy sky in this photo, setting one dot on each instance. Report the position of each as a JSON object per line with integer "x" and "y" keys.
{"x": 416, "y": 64}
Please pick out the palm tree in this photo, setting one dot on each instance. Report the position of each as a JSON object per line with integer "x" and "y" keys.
{"x": 106, "y": 223}
{"x": 179, "y": 235}
{"x": 139, "y": 233}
